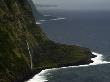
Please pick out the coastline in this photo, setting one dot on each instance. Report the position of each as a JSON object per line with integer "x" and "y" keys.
{"x": 30, "y": 53}
{"x": 29, "y": 75}
{"x": 27, "y": 42}
{"x": 40, "y": 77}
{"x": 35, "y": 72}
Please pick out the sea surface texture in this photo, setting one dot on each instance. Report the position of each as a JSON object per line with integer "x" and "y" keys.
{"x": 84, "y": 28}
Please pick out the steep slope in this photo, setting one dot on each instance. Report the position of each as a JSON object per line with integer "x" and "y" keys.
{"x": 16, "y": 25}
{"x": 37, "y": 15}
{"x": 24, "y": 47}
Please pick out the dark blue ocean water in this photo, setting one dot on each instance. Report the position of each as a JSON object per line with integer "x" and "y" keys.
{"x": 85, "y": 28}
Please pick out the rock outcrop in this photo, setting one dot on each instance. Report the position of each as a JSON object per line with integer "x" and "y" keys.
{"x": 24, "y": 47}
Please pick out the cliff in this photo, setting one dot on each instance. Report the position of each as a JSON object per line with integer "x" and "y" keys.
{"x": 24, "y": 47}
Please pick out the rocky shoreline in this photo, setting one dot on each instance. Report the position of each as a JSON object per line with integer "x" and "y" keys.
{"x": 25, "y": 50}
{"x": 36, "y": 71}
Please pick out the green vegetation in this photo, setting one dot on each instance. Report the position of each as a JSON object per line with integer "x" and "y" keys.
{"x": 17, "y": 27}
{"x": 51, "y": 54}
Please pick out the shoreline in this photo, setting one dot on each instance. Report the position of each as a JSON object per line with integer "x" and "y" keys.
{"x": 29, "y": 75}
{"x": 97, "y": 60}
{"x": 42, "y": 70}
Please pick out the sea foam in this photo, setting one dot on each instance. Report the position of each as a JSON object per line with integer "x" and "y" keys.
{"x": 39, "y": 77}
{"x": 38, "y": 23}
{"x": 42, "y": 78}
{"x": 99, "y": 59}
{"x": 59, "y": 18}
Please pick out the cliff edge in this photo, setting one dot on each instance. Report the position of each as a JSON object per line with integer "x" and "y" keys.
{"x": 24, "y": 47}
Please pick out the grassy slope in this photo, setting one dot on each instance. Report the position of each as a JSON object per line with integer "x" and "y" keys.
{"x": 17, "y": 25}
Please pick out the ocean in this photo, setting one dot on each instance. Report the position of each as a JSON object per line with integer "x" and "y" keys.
{"x": 89, "y": 29}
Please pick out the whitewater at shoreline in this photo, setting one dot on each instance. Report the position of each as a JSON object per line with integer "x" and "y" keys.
{"x": 38, "y": 23}
{"x": 59, "y": 18}
{"x": 41, "y": 76}
{"x": 56, "y": 19}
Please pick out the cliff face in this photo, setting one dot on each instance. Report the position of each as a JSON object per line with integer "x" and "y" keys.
{"x": 23, "y": 45}
{"x": 17, "y": 37}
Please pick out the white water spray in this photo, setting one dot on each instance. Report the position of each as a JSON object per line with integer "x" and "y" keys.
{"x": 59, "y": 18}
{"x": 38, "y": 23}
{"x": 99, "y": 59}
{"x": 41, "y": 76}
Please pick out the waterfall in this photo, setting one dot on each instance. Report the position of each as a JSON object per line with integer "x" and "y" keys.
{"x": 31, "y": 64}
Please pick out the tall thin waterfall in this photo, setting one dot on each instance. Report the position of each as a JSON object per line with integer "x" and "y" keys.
{"x": 31, "y": 63}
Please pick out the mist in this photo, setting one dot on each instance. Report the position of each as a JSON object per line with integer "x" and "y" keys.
{"x": 78, "y": 4}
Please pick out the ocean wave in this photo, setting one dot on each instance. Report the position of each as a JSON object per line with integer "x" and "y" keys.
{"x": 99, "y": 59}
{"x": 59, "y": 18}
{"x": 96, "y": 61}
{"x": 46, "y": 15}
{"x": 38, "y": 23}
{"x": 42, "y": 78}
{"x": 39, "y": 77}
{"x": 43, "y": 20}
